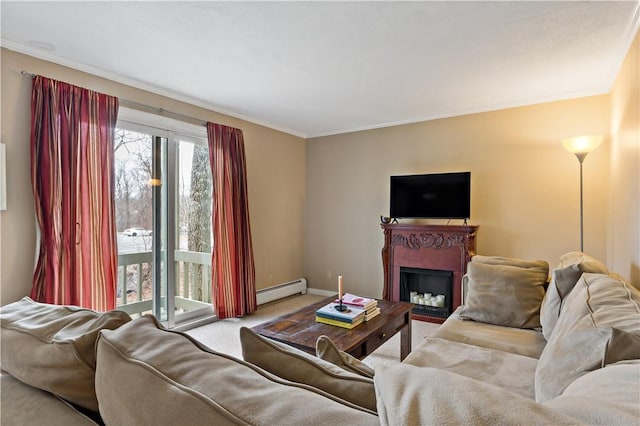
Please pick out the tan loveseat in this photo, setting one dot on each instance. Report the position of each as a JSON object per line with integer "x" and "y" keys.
{"x": 513, "y": 354}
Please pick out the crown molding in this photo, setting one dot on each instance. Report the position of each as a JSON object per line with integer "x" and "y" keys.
{"x": 49, "y": 57}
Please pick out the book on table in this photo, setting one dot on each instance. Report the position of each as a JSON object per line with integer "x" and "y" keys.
{"x": 371, "y": 314}
{"x": 368, "y": 304}
{"x": 337, "y": 323}
{"x": 350, "y": 314}
{"x": 358, "y": 301}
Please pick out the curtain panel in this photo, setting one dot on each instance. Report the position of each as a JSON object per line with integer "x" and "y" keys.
{"x": 72, "y": 161}
{"x": 232, "y": 267}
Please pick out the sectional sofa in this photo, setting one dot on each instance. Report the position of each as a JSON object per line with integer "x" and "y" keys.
{"x": 522, "y": 349}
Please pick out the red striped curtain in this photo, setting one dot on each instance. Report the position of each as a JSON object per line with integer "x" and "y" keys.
{"x": 72, "y": 137}
{"x": 232, "y": 269}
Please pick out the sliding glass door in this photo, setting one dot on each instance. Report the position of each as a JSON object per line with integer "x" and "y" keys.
{"x": 163, "y": 218}
{"x": 193, "y": 234}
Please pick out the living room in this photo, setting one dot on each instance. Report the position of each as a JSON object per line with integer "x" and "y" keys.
{"x": 548, "y": 331}
{"x": 315, "y": 202}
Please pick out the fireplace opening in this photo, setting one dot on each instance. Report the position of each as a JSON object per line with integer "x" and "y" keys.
{"x": 430, "y": 290}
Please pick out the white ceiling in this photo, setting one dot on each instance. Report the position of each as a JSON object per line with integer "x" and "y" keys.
{"x": 320, "y": 68}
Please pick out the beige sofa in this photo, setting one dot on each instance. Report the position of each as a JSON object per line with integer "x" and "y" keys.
{"x": 580, "y": 363}
{"x": 513, "y": 354}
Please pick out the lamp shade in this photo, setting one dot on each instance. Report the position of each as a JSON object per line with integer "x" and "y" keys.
{"x": 582, "y": 144}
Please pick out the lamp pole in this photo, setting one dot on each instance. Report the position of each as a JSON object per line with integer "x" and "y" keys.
{"x": 581, "y": 146}
{"x": 581, "y": 156}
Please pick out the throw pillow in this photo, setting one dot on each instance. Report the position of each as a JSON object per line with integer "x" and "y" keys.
{"x": 564, "y": 278}
{"x": 328, "y": 351}
{"x": 52, "y": 347}
{"x": 510, "y": 261}
{"x": 147, "y": 375}
{"x": 599, "y": 324}
{"x": 584, "y": 261}
{"x": 505, "y": 295}
{"x": 297, "y": 366}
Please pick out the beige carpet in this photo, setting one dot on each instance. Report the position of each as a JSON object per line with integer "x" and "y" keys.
{"x": 223, "y": 336}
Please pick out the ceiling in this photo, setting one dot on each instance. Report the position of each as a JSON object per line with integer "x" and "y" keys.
{"x": 320, "y": 68}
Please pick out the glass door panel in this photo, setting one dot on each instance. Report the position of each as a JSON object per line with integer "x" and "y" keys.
{"x": 192, "y": 254}
{"x": 159, "y": 185}
{"x": 140, "y": 163}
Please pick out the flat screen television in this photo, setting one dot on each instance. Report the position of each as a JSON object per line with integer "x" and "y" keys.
{"x": 431, "y": 196}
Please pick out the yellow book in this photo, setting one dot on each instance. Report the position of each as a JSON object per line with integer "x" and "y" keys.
{"x": 338, "y": 323}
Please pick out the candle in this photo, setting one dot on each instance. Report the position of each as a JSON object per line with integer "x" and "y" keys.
{"x": 340, "y": 287}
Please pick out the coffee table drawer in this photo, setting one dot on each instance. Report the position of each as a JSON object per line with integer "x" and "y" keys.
{"x": 381, "y": 336}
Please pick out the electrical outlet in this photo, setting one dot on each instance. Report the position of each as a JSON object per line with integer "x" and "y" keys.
{"x": 329, "y": 274}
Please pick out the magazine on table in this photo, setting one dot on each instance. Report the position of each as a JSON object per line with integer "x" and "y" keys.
{"x": 358, "y": 301}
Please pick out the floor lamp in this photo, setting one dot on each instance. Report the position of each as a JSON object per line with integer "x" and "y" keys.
{"x": 3, "y": 177}
{"x": 581, "y": 146}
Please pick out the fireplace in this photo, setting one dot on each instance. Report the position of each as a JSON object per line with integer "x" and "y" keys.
{"x": 431, "y": 291}
{"x": 427, "y": 259}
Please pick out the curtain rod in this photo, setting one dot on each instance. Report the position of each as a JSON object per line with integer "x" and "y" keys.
{"x": 138, "y": 105}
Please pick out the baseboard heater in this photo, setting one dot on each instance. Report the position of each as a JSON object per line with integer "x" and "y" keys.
{"x": 279, "y": 291}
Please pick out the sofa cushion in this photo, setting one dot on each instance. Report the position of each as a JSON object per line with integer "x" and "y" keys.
{"x": 607, "y": 396}
{"x": 519, "y": 341}
{"x": 410, "y": 395}
{"x": 191, "y": 384}
{"x": 599, "y": 324}
{"x": 504, "y": 294}
{"x": 510, "y": 261}
{"x": 52, "y": 347}
{"x": 563, "y": 279}
{"x": 297, "y": 366}
{"x": 506, "y": 370}
{"x": 25, "y": 405}
{"x": 328, "y": 351}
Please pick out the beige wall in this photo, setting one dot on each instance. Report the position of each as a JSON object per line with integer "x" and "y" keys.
{"x": 525, "y": 186}
{"x": 276, "y": 173}
{"x": 624, "y": 232}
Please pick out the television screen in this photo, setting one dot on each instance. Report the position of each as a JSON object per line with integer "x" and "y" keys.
{"x": 431, "y": 196}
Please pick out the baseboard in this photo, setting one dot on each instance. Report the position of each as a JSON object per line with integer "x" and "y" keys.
{"x": 321, "y": 292}
{"x": 279, "y": 291}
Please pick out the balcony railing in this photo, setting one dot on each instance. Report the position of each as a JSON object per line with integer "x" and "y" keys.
{"x": 192, "y": 282}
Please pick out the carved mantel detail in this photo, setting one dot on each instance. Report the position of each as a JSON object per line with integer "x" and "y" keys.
{"x": 428, "y": 240}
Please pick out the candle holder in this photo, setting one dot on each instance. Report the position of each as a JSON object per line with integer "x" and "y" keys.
{"x": 341, "y": 307}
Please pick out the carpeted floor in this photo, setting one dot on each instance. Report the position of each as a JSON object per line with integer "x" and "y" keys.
{"x": 222, "y": 336}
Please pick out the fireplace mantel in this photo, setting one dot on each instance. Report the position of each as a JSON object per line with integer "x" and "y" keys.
{"x": 438, "y": 247}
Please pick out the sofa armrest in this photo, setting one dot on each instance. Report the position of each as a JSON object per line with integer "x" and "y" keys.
{"x": 409, "y": 395}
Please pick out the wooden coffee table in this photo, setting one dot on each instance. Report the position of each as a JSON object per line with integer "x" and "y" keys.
{"x": 300, "y": 329}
